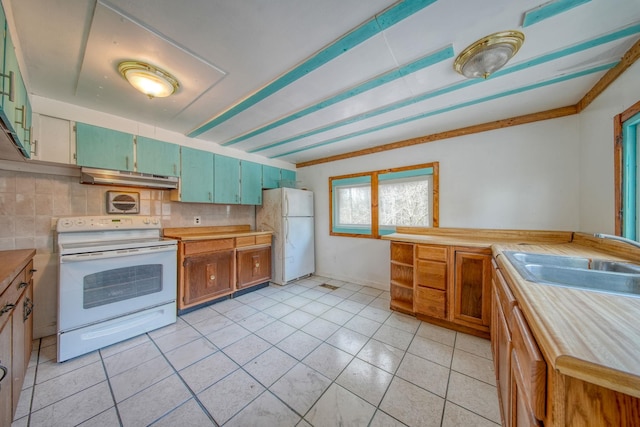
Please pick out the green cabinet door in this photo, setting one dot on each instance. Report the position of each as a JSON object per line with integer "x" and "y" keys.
{"x": 103, "y": 148}
{"x": 288, "y": 178}
{"x": 226, "y": 180}
{"x": 270, "y": 177}
{"x": 196, "y": 178}
{"x": 157, "y": 157}
{"x": 251, "y": 183}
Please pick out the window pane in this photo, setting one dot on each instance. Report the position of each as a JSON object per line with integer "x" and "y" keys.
{"x": 354, "y": 205}
{"x": 405, "y": 202}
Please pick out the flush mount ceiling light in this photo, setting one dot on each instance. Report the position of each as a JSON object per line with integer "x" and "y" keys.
{"x": 488, "y": 54}
{"x": 150, "y": 80}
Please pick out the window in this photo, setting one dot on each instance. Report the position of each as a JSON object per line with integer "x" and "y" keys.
{"x": 374, "y": 203}
{"x": 627, "y": 126}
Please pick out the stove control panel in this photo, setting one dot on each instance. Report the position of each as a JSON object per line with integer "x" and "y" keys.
{"x": 111, "y": 222}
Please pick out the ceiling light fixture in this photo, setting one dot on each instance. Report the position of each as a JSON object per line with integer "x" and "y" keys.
{"x": 489, "y": 54}
{"x": 150, "y": 80}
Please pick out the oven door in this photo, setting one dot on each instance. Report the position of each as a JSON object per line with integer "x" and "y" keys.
{"x": 95, "y": 287}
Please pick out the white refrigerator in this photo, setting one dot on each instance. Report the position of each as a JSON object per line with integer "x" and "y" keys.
{"x": 288, "y": 212}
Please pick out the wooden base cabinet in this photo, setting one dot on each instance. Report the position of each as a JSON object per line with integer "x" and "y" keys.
{"x": 446, "y": 285}
{"x": 253, "y": 266}
{"x": 207, "y": 276}
{"x": 16, "y": 335}
{"x": 211, "y": 267}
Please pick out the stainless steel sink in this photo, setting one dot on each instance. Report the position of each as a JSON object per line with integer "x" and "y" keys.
{"x": 598, "y": 275}
{"x": 542, "y": 259}
{"x": 615, "y": 266}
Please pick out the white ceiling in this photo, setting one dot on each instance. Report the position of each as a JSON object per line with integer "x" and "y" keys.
{"x": 297, "y": 81}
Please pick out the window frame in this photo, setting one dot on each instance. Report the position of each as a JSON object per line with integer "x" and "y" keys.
{"x": 622, "y": 185}
{"x": 373, "y": 177}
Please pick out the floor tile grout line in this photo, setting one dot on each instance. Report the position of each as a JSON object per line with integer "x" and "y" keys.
{"x": 113, "y": 397}
{"x": 35, "y": 375}
{"x": 193, "y": 394}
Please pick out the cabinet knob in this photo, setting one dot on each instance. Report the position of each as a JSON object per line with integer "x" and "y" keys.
{"x": 212, "y": 277}
{"x": 257, "y": 265}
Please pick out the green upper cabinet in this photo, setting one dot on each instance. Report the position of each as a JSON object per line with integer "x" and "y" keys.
{"x": 270, "y": 177}
{"x": 16, "y": 109}
{"x": 226, "y": 180}
{"x": 251, "y": 183}
{"x": 157, "y": 157}
{"x": 288, "y": 178}
{"x": 103, "y": 148}
{"x": 196, "y": 179}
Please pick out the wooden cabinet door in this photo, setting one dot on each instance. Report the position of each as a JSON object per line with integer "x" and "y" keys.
{"x": 472, "y": 289}
{"x": 99, "y": 147}
{"x": 270, "y": 177}
{"x": 501, "y": 345}
{"x": 208, "y": 276}
{"x": 288, "y": 177}
{"x": 6, "y": 373}
{"x": 196, "y": 178}
{"x": 157, "y": 157}
{"x": 251, "y": 183}
{"x": 226, "y": 180}
{"x": 18, "y": 348}
{"x": 528, "y": 375}
{"x": 253, "y": 266}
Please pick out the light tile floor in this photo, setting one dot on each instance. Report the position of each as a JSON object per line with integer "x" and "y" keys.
{"x": 297, "y": 355}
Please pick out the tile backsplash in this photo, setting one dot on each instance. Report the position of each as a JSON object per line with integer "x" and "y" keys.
{"x": 31, "y": 203}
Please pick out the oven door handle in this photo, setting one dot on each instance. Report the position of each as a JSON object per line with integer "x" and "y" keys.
{"x": 116, "y": 254}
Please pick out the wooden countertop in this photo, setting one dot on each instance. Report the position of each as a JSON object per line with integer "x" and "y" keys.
{"x": 12, "y": 263}
{"x": 592, "y": 336}
{"x": 212, "y": 232}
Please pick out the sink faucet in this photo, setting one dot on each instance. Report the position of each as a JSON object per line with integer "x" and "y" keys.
{"x": 618, "y": 238}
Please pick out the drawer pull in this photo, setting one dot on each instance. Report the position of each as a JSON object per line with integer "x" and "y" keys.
{"x": 4, "y": 372}
{"x": 22, "y": 285}
{"x": 33, "y": 270}
{"x": 212, "y": 277}
{"x": 7, "y": 308}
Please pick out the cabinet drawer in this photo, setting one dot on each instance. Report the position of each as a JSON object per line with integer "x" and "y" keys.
{"x": 505, "y": 298}
{"x": 191, "y": 248}
{"x": 528, "y": 365}
{"x": 432, "y": 274}
{"x": 434, "y": 253}
{"x": 263, "y": 239}
{"x": 245, "y": 241}
{"x": 430, "y": 302}
{"x": 10, "y": 296}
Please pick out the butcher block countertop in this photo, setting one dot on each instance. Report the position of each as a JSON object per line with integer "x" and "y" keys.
{"x": 12, "y": 263}
{"x": 592, "y": 336}
{"x": 211, "y": 232}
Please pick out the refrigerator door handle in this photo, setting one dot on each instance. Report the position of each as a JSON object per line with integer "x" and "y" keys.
{"x": 286, "y": 204}
{"x": 286, "y": 233}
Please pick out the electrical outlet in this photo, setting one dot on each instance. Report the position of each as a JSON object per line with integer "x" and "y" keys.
{"x": 196, "y": 220}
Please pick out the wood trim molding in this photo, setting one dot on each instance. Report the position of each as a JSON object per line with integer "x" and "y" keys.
{"x": 483, "y": 127}
{"x": 626, "y": 61}
{"x": 629, "y": 58}
{"x": 618, "y": 168}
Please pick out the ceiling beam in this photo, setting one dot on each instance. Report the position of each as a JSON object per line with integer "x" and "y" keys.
{"x": 628, "y": 59}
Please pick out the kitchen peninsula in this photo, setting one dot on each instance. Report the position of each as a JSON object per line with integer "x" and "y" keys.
{"x": 563, "y": 356}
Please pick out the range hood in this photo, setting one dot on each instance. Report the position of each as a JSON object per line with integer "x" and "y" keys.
{"x": 128, "y": 179}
